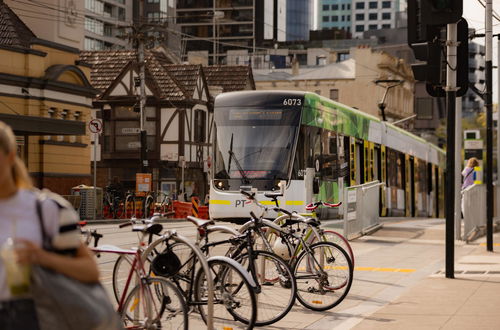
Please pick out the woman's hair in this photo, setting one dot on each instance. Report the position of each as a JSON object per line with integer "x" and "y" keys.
{"x": 472, "y": 162}
{"x": 7, "y": 145}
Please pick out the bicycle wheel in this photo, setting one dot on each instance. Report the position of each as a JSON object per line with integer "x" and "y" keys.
{"x": 121, "y": 271}
{"x": 324, "y": 276}
{"x": 235, "y": 302}
{"x": 340, "y": 240}
{"x": 158, "y": 304}
{"x": 278, "y": 286}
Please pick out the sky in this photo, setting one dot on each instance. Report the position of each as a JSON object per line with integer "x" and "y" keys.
{"x": 474, "y": 13}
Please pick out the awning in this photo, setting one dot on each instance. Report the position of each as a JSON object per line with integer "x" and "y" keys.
{"x": 31, "y": 125}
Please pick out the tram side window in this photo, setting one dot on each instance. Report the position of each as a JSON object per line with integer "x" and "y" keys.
{"x": 344, "y": 159}
{"x": 299, "y": 162}
{"x": 329, "y": 161}
{"x": 392, "y": 168}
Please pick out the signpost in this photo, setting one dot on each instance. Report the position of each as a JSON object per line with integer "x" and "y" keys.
{"x": 95, "y": 126}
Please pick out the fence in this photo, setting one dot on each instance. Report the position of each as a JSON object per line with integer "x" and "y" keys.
{"x": 474, "y": 210}
{"x": 361, "y": 209}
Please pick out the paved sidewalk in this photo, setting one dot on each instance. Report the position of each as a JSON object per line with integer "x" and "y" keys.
{"x": 470, "y": 301}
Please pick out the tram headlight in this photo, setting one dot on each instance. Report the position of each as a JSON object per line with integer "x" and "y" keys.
{"x": 220, "y": 184}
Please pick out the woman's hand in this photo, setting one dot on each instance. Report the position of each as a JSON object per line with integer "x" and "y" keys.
{"x": 29, "y": 253}
{"x": 81, "y": 267}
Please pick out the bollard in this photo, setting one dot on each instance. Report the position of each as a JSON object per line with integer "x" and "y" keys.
{"x": 194, "y": 207}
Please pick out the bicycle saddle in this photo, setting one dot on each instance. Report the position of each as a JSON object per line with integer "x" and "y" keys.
{"x": 154, "y": 228}
{"x": 199, "y": 222}
{"x": 273, "y": 194}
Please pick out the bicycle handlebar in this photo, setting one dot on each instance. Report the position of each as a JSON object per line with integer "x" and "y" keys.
{"x": 122, "y": 225}
{"x": 249, "y": 195}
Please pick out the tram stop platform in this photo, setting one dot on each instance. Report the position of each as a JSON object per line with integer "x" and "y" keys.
{"x": 399, "y": 282}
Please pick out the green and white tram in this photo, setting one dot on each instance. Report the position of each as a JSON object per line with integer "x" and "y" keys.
{"x": 315, "y": 147}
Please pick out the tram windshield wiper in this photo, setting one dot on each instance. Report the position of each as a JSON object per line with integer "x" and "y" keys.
{"x": 244, "y": 177}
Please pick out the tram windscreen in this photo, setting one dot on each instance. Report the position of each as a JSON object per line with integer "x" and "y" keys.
{"x": 255, "y": 143}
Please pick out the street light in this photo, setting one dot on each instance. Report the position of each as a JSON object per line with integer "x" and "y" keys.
{"x": 381, "y": 104}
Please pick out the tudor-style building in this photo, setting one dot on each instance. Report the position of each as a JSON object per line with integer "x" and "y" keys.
{"x": 46, "y": 97}
{"x": 179, "y": 117}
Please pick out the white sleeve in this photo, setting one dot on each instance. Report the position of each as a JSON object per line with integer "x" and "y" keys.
{"x": 61, "y": 222}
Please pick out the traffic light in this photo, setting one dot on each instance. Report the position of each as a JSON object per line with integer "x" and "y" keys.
{"x": 427, "y": 20}
{"x": 425, "y": 13}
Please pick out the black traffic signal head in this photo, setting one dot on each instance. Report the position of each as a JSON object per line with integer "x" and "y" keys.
{"x": 425, "y": 13}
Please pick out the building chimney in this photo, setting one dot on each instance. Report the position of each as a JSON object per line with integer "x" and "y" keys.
{"x": 295, "y": 66}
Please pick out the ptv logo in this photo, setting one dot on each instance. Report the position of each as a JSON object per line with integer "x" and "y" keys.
{"x": 241, "y": 203}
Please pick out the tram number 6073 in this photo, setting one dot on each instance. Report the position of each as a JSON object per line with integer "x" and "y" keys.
{"x": 292, "y": 102}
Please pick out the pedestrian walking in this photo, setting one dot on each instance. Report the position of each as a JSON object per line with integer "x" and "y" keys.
{"x": 21, "y": 238}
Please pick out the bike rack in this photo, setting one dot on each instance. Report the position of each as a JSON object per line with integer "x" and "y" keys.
{"x": 181, "y": 239}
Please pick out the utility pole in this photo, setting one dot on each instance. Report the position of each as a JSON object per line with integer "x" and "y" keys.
{"x": 451, "y": 94}
{"x": 142, "y": 90}
{"x": 489, "y": 126}
{"x": 458, "y": 168}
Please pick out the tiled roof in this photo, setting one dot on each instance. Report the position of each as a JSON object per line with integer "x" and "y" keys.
{"x": 186, "y": 75}
{"x": 13, "y": 32}
{"x": 168, "y": 88}
{"x": 230, "y": 78}
{"x": 106, "y": 65}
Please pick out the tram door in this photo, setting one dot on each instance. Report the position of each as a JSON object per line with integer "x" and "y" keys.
{"x": 430, "y": 192}
{"x": 411, "y": 173}
{"x": 360, "y": 162}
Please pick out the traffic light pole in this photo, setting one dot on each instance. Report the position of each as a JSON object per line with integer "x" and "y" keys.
{"x": 489, "y": 126}
{"x": 451, "y": 94}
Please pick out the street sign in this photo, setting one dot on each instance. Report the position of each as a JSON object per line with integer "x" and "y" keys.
{"x": 95, "y": 126}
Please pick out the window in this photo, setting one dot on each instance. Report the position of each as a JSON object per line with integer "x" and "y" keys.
{"x": 373, "y": 5}
{"x": 93, "y": 25}
{"x": 348, "y": 6}
{"x": 349, "y": 28}
{"x": 326, "y": 7}
{"x": 386, "y": 15}
{"x": 424, "y": 107}
{"x": 386, "y": 26}
{"x": 334, "y": 94}
{"x": 335, "y": 18}
{"x": 335, "y": 7}
{"x": 153, "y": 16}
{"x": 360, "y": 5}
{"x": 343, "y": 7}
{"x": 153, "y": 1}
{"x": 348, "y": 18}
{"x": 326, "y": 18}
{"x": 360, "y": 28}
{"x": 372, "y": 16}
{"x": 199, "y": 126}
{"x": 360, "y": 17}
{"x": 386, "y": 4}
{"x": 372, "y": 27}
{"x": 343, "y": 18}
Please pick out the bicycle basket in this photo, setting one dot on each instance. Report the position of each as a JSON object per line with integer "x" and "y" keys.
{"x": 166, "y": 264}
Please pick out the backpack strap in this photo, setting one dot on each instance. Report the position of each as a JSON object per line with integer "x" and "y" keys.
{"x": 45, "y": 238}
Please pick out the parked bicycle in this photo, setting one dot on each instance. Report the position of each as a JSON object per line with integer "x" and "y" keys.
{"x": 323, "y": 270}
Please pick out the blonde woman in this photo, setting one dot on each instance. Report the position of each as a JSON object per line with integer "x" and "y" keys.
{"x": 468, "y": 172}
{"x": 19, "y": 220}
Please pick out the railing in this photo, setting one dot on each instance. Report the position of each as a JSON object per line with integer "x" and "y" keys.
{"x": 474, "y": 211}
{"x": 361, "y": 209}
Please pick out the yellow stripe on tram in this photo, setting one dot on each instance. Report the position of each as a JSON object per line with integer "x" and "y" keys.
{"x": 220, "y": 202}
{"x": 494, "y": 244}
{"x": 294, "y": 203}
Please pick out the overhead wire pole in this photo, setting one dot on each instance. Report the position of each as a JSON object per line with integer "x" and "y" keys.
{"x": 489, "y": 125}
{"x": 451, "y": 94}
{"x": 142, "y": 87}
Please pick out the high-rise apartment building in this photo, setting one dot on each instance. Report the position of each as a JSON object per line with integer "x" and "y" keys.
{"x": 298, "y": 19}
{"x": 104, "y": 21}
{"x": 212, "y": 27}
{"x": 335, "y": 14}
{"x": 373, "y": 15}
